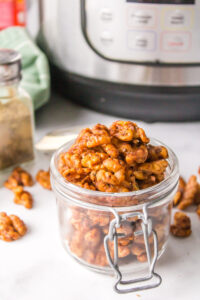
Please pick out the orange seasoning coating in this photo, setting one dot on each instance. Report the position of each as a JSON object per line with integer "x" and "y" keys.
{"x": 180, "y": 191}
{"x": 198, "y": 210}
{"x": 116, "y": 159}
{"x": 11, "y": 227}
{"x": 18, "y": 177}
{"x": 23, "y": 197}
{"x": 43, "y": 178}
{"x": 181, "y": 226}
{"x": 189, "y": 193}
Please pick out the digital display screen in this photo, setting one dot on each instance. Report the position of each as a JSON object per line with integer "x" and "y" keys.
{"x": 164, "y": 1}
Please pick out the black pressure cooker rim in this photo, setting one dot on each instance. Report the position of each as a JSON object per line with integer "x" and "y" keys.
{"x": 146, "y": 103}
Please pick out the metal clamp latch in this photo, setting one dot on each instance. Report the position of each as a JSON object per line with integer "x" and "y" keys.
{"x": 113, "y": 236}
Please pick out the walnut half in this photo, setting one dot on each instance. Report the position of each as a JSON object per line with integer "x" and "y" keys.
{"x": 43, "y": 178}
{"x": 18, "y": 177}
{"x": 181, "y": 226}
{"x": 11, "y": 227}
{"x": 23, "y": 197}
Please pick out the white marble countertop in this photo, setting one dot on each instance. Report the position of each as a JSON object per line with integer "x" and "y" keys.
{"x": 37, "y": 267}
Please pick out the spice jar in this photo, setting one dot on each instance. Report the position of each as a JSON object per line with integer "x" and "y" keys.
{"x": 16, "y": 113}
{"x": 121, "y": 233}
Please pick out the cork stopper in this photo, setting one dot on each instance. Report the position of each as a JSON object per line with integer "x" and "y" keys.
{"x": 10, "y": 66}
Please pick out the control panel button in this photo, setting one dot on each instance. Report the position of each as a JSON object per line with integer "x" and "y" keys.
{"x": 178, "y": 18}
{"x": 177, "y": 41}
{"x": 141, "y": 18}
{"x": 145, "y": 41}
{"x": 106, "y": 14}
{"x": 106, "y": 38}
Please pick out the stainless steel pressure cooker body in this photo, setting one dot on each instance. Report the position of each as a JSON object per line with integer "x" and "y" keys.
{"x": 133, "y": 58}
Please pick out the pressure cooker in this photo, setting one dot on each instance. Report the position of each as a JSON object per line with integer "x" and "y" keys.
{"x": 133, "y": 58}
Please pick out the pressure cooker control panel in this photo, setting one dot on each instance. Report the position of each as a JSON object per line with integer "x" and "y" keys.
{"x": 165, "y": 31}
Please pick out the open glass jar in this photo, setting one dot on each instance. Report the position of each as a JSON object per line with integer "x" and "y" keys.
{"x": 120, "y": 232}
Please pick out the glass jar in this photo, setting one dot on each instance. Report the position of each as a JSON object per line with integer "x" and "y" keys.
{"x": 121, "y": 232}
{"x": 16, "y": 113}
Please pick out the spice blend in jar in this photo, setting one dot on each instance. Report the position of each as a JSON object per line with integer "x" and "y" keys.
{"x": 16, "y": 113}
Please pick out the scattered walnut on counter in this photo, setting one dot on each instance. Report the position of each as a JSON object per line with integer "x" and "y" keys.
{"x": 18, "y": 177}
{"x": 198, "y": 210}
{"x": 197, "y": 196}
{"x": 11, "y": 227}
{"x": 182, "y": 220}
{"x": 43, "y": 178}
{"x": 180, "y": 191}
{"x": 16, "y": 181}
{"x": 189, "y": 193}
{"x": 23, "y": 197}
{"x": 181, "y": 226}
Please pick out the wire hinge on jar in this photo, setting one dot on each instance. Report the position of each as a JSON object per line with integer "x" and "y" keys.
{"x": 146, "y": 231}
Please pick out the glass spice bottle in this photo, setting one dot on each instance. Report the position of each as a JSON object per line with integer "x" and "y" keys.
{"x": 16, "y": 113}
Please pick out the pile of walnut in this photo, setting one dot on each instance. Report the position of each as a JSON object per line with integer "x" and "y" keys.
{"x": 11, "y": 227}
{"x": 115, "y": 159}
{"x": 87, "y": 230}
{"x": 188, "y": 194}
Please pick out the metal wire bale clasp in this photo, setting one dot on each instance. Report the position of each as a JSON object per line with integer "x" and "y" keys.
{"x": 146, "y": 231}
